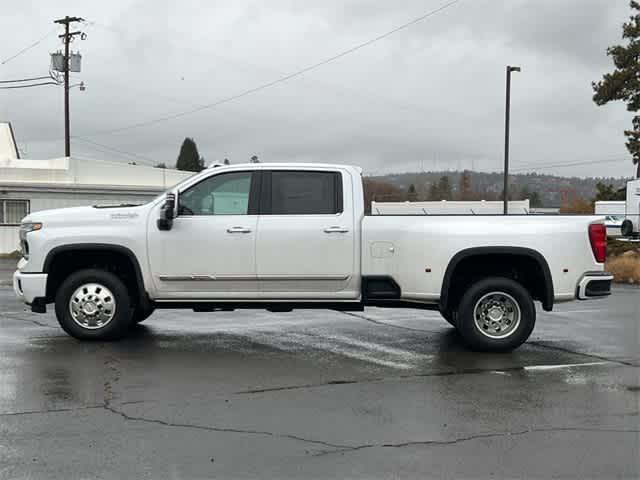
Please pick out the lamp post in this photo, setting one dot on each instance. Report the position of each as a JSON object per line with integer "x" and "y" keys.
{"x": 506, "y": 139}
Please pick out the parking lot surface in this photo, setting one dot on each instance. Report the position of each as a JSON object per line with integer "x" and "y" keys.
{"x": 321, "y": 394}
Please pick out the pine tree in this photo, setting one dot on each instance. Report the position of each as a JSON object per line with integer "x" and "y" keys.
{"x": 608, "y": 192}
{"x": 624, "y": 82}
{"x": 412, "y": 196}
{"x": 189, "y": 159}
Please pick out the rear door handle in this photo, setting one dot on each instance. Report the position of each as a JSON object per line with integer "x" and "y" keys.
{"x": 238, "y": 230}
{"x": 336, "y": 229}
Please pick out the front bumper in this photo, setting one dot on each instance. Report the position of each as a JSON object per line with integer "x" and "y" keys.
{"x": 29, "y": 286}
{"x": 594, "y": 284}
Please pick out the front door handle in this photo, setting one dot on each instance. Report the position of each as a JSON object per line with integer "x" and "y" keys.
{"x": 336, "y": 229}
{"x": 238, "y": 230}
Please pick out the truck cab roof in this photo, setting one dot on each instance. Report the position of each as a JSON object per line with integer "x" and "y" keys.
{"x": 292, "y": 165}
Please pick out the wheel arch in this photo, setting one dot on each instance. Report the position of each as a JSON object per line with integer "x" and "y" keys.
{"x": 547, "y": 293}
{"x": 97, "y": 249}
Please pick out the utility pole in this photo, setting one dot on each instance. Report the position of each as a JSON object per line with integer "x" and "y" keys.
{"x": 66, "y": 39}
{"x": 506, "y": 139}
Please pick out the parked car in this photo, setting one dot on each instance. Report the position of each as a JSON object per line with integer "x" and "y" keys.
{"x": 284, "y": 236}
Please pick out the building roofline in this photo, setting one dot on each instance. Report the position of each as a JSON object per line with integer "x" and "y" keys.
{"x": 76, "y": 188}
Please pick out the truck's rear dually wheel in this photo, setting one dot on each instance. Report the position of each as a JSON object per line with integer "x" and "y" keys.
{"x": 93, "y": 305}
{"x": 496, "y": 314}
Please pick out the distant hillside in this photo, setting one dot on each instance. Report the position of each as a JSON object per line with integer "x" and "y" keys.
{"x": 553, "y": 191}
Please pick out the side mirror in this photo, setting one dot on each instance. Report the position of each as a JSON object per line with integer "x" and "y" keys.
{"x": 167, "y": 212}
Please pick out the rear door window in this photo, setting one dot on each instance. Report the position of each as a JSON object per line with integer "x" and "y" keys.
{"x": 302, "y": 193}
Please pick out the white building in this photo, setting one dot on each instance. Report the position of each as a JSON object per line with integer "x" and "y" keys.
{"x": 32, "y": 185}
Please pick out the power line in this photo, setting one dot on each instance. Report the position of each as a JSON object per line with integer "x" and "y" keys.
{"x": 29, "y": 85}
{"x": 29, "y": 47}
{"x": 283, "y": 78}
{"x": 116, "y": 150}
{"x": 25, "y": 79}
{"x": 567, "y": 164}
{"x": 107, "y": 147}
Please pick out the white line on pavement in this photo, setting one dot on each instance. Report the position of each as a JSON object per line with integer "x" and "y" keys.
{"x": 568, "y": 365}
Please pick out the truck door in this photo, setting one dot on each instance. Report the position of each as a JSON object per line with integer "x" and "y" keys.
{"x": 305, "y": 246}
{"x": 210, "y": 251}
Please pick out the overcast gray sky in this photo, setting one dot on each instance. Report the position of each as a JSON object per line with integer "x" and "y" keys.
{"x": 430, "y": 96}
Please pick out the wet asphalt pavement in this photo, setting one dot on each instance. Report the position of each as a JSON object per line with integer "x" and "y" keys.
{"x": 321, "y": 394}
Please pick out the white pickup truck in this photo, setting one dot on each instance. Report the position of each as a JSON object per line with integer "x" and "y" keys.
{"x": 285, "y": 236}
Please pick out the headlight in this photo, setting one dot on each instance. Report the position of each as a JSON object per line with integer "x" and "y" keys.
{"x": 24, "y": 229}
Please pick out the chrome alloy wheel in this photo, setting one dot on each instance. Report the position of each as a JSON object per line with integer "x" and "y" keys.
{"x": 496, "y": 315}
{"x": 92, "y": 306}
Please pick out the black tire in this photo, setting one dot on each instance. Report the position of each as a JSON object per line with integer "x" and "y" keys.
{"x": 627, "y": 228}
{"x": 113, "y": 329}
{"x": 140, "y": 314}
{"x": 482, "y": 340}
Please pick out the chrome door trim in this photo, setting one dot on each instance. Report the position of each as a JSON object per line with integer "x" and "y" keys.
{"x": 212, "y": 278}
{"x": 303, "y": 277}
{"x": 203, "y": 278}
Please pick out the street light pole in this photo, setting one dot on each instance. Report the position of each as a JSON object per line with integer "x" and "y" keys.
{"x": 506, "y": 139}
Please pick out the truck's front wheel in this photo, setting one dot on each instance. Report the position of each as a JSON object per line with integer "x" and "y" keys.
{"x": 93, "y": 305}
{"x": 496, "y": 314}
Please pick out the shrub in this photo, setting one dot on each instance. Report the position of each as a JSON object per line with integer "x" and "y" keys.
{"x": 626, "y": 267}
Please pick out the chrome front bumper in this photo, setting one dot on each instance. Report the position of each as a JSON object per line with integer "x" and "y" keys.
{"x": 29, "y": 286}
{"x": 594, "y": 284}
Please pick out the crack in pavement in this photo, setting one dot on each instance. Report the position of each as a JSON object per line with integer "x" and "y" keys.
{"x": 310, "y": 385}
{"x": 446, "y": 373}
{"x": 110, "y": 396}
{"x": 51, "y": 410}
{"x": 209, "y": 428}
{"x": 473, "y": 437}
{"x": 336, "y": 448}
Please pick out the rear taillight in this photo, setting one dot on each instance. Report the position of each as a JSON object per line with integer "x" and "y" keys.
{"x": 598, "y": 239}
